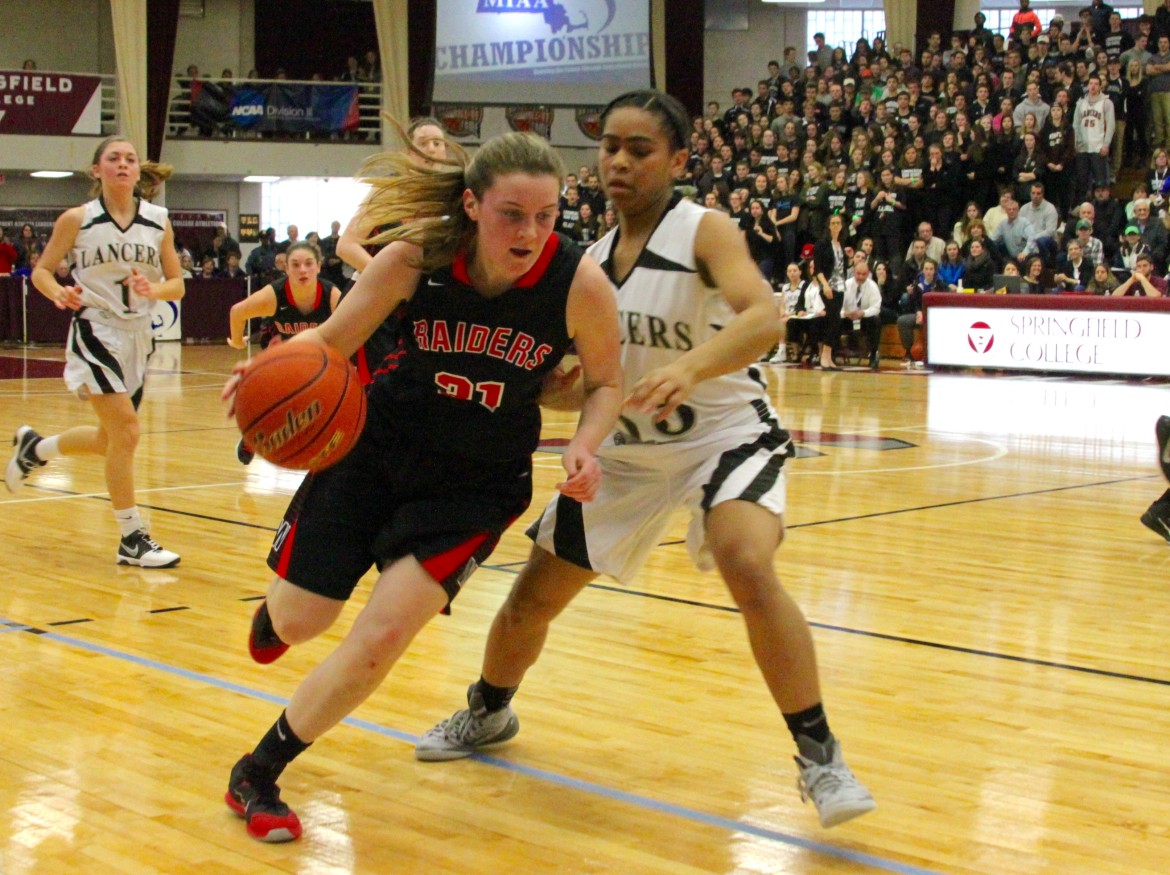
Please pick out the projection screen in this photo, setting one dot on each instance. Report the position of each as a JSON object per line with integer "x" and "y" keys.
{"x": 573, "y": 53}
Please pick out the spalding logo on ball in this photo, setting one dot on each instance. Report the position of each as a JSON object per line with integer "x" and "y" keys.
{"x": 301, "y": 406}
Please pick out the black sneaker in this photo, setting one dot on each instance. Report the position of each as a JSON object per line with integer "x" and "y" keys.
{"x": 142, "y": 550}
{"x": 1157, "y": 516}
{"x": 256, "y": 798}
{"x": 263, "y": 642}
{"x": 24, "y": 457}
{"x": 244, "y": 453}
{"x": 1162, "y": 432}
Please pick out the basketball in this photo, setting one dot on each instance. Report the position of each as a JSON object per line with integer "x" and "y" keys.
{"x": 300, "y": 406}
{"x": 918, "y": 350}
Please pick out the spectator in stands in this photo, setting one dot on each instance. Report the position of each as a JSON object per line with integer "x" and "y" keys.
{"x": 232, "y": 269}
{"x": 260, "y": 259}
{"x": 830, "y": 260}
{"x": 911, "y": 306}
{"x": 1103, "y": 281}
{"x": 1095, "y": 126}
{"x": 1152, "y": 229}
{"x": 186, "y": 265}
{"x": 293, "y": 235}
{"x": 371, "y": 68}
{"x": 1031, "y": 104}
{"x": 862, "y": 306}
{"x": 1041, "y": 214}
{"x": 1031, "y": 277}
{"x": 914, "y": 263}
{"x": 952, "y": 269}
{"x": 207, "y": 270}
{"x": 1143, "y": 282}
{"x": 1028, "y": 167}
{"x": 715, "y": 181}
{"x": 1057, "y": 142}
{"x": 223, "y": 245}
{"x": 933, "y": 246}
{"x": 978, "y": 268}
{"x": 589, "y": 227}
{"x": 352, "y": 72}
{"x": 761, "y": 238}
{"x": 9, "y": 257}
{"x": 1073, "y": 270}
{"x": 1092, "y": 248}
{"x": 1158, "y": 69}
{"x": 1015, "y": 236}
{"x": 331, "y": 263}
{"x": 28, "y": 64}
{"x": 26, "y": 244}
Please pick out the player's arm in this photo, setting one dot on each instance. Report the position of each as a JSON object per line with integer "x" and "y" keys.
{"x": 257, "y": 305}
{"x": 389, "y": 279}
{"x": 349, "y": 244}
{"x": 172, "y": 288}
{"x": 723, "y": 257}
{"x": 60, "y": 242}
{"x": 334, "y": 298}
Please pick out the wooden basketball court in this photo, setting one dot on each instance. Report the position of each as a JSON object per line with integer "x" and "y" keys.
{"x": 991, "y": 622}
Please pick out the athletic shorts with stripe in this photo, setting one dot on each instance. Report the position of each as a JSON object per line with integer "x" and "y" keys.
{"x": 389, "y": 498}
{"x": 642, "y": 485}
{"x": 105, "y": 358}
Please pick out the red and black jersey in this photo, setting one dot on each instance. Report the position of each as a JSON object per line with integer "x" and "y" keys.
{"x": 469, "y": 369}
{"x": 289, "y": 320}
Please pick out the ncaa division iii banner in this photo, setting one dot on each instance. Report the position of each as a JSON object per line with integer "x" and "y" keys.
{"x": 275, "y": 107}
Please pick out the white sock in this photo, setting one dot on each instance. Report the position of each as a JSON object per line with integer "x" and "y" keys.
{"x": 47, "y": 448}
{"x": 128, "y": 520}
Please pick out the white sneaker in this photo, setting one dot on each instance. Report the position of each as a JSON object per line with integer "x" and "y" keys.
{"x": 833, "y": 789}
{"x": 24, "y": 457}
{"x": 920, "y": 364}
{"x": 467, "y": 731}
{"x": 907, "y": 362}
{"x": 142, "y": 550}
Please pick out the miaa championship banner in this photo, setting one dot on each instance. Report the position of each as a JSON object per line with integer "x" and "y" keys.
{"x": 49, "y": 103}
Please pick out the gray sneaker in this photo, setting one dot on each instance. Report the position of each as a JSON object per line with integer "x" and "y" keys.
{"x": 24, "y": 457}
{"x": 142, "y": 550}
{"x": 833, "y": 789}
{"x": 467, "y": 731}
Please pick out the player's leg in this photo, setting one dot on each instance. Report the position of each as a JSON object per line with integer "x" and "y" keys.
{"x": 543, "y": 589}
{"x": 404, "y": 600}
{"x": 289, "y": 615}
{"x": 1157, "y": 516}
{"x": 742, "y": 537}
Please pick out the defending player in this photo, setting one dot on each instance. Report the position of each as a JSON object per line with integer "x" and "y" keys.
{"x": 697, "y": 431}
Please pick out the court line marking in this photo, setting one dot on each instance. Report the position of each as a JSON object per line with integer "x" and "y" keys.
{"x": 555, "y": 778}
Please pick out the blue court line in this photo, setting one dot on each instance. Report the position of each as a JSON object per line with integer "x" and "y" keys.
{"x": 735, "y": 826}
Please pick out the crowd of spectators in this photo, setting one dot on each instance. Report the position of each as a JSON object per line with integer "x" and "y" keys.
{"x": 986, "y": 156}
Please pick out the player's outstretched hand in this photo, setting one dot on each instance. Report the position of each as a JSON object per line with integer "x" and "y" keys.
{"x": 584, "y": 474}
{"x": 662, "y": 390}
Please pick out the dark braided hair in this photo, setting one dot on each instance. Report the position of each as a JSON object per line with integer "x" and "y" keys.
{"x": 672, "y": 115}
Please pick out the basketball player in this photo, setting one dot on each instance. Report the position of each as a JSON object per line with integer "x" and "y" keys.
{"x": 426, "y": 144}
{"x": 123, "y": 253}
{"x": 1157, "y": 516}
{"x": 697, "y": 431}
{"x": 289, "y": 305}
{"x": 492, "y": 299}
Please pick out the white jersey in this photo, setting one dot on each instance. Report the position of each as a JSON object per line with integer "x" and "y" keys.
{"x": 103, "y": 255}
{"x": 665, "y": 310}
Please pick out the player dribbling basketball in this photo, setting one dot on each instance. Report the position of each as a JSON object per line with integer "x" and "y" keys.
{"x": 492, "y": 300}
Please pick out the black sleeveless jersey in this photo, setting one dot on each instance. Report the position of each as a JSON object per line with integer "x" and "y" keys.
{"x": 468, "y": 371}
{"x": 288, "y": 320}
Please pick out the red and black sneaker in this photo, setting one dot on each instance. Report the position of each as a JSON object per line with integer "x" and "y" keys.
{"x": 257, "y": 800}
{"x": 263, "y": 642}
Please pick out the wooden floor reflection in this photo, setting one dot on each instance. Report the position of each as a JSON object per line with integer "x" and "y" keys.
{"x": 989, "y": 614}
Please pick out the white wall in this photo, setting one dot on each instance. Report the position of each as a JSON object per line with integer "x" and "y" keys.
{"x": 67, "y": 35}
{"x": 738, "y": 58}
{"x": 222, "y": 38}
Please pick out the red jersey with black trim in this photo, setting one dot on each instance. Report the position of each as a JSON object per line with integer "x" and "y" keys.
{"x": 469, "y": 369}
{"x": 289, "y": 320}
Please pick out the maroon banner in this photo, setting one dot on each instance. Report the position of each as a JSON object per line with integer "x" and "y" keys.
{"x": 49, "y": 103}
{"x": 530, "y": 119}
{"x": 459, "y": 121}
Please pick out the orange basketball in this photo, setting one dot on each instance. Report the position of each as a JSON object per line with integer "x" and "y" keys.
{"x": 300, "y": 405}
{"x": 918, "y": 350}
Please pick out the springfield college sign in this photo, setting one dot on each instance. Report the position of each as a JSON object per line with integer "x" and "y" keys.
{"x": 49, "y": 103}
{"x": 1050, "y": 333}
